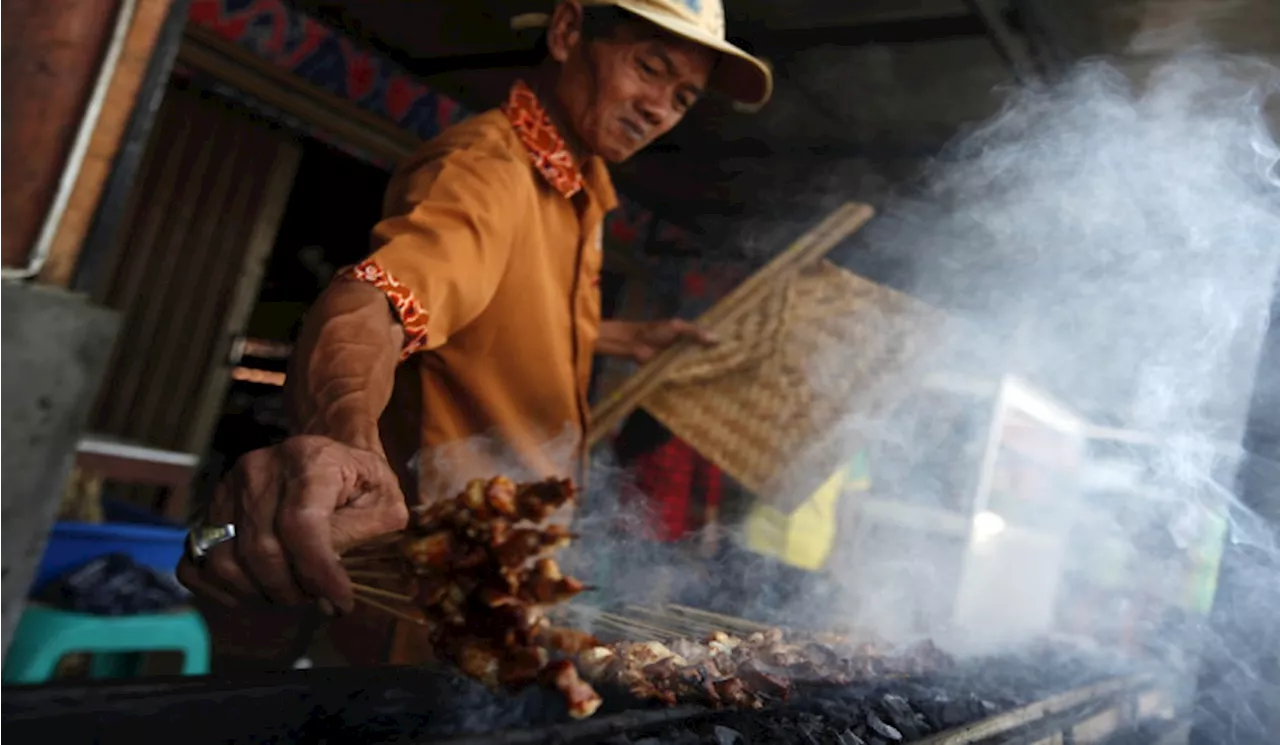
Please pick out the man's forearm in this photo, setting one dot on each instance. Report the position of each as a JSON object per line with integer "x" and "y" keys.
{"x": 343, "y": 368}
{"x": 616, "y": 339}
{"x": 641, "y": 340}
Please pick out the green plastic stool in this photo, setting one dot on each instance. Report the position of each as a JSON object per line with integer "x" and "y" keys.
{"x": 45, "y": 635}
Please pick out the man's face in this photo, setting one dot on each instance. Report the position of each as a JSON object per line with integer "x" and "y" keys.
{"x": 621, "y": 93}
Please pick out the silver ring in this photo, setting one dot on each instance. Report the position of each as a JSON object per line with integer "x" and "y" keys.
{"x": 200, "y": 540}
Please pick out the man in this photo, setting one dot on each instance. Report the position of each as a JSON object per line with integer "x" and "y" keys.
{"x": 478, "y": 312}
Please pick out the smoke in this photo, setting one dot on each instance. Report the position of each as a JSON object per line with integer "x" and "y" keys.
{"x": 1111, "y": 246}
{"x": 446, "y": 468}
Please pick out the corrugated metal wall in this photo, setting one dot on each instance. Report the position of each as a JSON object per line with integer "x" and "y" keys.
{"x": 202, "y": 219}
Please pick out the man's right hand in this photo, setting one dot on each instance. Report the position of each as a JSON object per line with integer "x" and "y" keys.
{"x": 296, "y": 507}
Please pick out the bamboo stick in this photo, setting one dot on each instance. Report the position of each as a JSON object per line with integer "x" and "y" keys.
{"x": 810, "y": 247}
{"x": 380, "y": 540}
{"x": 624, "y": 623}
{"x": 378, "y": 591}
{"x": 375, "y": 574}
{"x": 363, "y": 558}
{"x": 668, "y": 623}
{"x": 388, "y": 609}
{"x": 633, "y": 626}
{"x": 719, "y": 618}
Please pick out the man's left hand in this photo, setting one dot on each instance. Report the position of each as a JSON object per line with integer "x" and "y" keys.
{"x": 641, "y": 340}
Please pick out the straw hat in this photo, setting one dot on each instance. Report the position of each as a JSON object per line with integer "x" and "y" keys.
{"x": 738, "y": 75}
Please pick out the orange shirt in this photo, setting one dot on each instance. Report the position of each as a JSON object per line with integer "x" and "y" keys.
{"x": 490, "y": 252}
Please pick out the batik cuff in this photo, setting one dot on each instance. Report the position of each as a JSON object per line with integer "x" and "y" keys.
{"x": 412, "y": 316}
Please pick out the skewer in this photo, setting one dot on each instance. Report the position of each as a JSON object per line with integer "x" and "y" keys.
{"x": 378, "y": 591}
{"x": 672, "y": 625}
{"x": 388, "y": 609}
{"x": 633, "y": 626}
{"x": 720, "y": 618}
{"x": 375, "y": 574}
{"x": 359, "y": 559}
{"x": 380, "y": 540}
{"x": 679, "y": 624}
{"x": 623, "y": 625}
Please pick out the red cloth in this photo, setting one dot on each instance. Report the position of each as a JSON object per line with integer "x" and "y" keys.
{"x": 681, "y": 487}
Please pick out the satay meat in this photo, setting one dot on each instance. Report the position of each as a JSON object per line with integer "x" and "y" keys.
{"x": 483, "y": 578}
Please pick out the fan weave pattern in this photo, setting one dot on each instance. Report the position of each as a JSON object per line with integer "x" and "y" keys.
{"x": 777, "y": 392}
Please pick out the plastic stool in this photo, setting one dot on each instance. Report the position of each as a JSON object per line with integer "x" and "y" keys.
{"x": 45, "y": 635}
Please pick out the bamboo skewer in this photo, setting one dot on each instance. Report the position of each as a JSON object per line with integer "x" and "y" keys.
{"x": 375, "y": 574}
{"x": 632, "y": 626}
{"x": 669, "y": 624}
{"x": 810, "y": 247}
{"x": 381, "y": 540}
{"x": 379, "y": 592}
{"x": 361, "y": 598}
{"x": 363, "y": 558}
{"x": 743, "y": 623}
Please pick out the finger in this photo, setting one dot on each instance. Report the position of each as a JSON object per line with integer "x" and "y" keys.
{"x": 376, "y": 507}
{"x": 189, "y": 575}
{"x": 257, "y": 548}
{"x": 694, "y": 331}
{"x": 303, "y": 524}
{"x": 352, "y": 526}
{"x": 263, "y": 560}
{"x": 220, "y": 568}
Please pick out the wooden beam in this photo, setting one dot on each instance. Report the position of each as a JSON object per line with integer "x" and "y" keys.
{"x": 1006, "y": 42}
{"x": 817, "y": 15}
{"x": 280, "y": 89}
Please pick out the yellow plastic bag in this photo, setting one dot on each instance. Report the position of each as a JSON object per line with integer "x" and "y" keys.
{"x": 806, "y": 537}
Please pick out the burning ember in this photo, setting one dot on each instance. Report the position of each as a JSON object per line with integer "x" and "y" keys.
{"x": 747, "y": 672}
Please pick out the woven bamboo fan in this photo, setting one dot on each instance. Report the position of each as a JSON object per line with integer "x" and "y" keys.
{"x": 758, "y": 288}
{"x": 825, "y": 348}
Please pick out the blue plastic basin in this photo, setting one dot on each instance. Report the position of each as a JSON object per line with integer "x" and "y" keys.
{"x": 72, "y": 545}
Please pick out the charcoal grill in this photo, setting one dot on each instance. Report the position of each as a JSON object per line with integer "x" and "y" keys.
{"x": 1000, "y": 700}
{"x": 1089, "y": 714}
{"x": 414, "y": 706}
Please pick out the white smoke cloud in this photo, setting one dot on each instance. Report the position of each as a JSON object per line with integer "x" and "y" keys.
{"x": 1116, "y": 243}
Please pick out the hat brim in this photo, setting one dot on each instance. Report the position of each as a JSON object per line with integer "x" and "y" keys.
{"x": 737, "y": 74}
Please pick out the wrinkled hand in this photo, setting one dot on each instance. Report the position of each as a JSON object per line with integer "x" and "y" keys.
{"x": 651, "y": 337}
{"x": 296, "y": 506}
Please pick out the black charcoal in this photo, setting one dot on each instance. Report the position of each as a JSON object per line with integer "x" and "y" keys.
{"x": 899, "y": 714}
{"x": 955, "y": 713}
{"x": 886, "y": 731}
{"x": 897, "y": 706}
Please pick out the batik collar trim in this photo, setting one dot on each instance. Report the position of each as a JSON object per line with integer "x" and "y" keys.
{"x": 542, "y": 139}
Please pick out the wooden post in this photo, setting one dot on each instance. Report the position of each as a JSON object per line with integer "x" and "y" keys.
{"x": 116, "y": 107}
{"x": 52, "y": 53}
{"x": 79, "y": 268}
